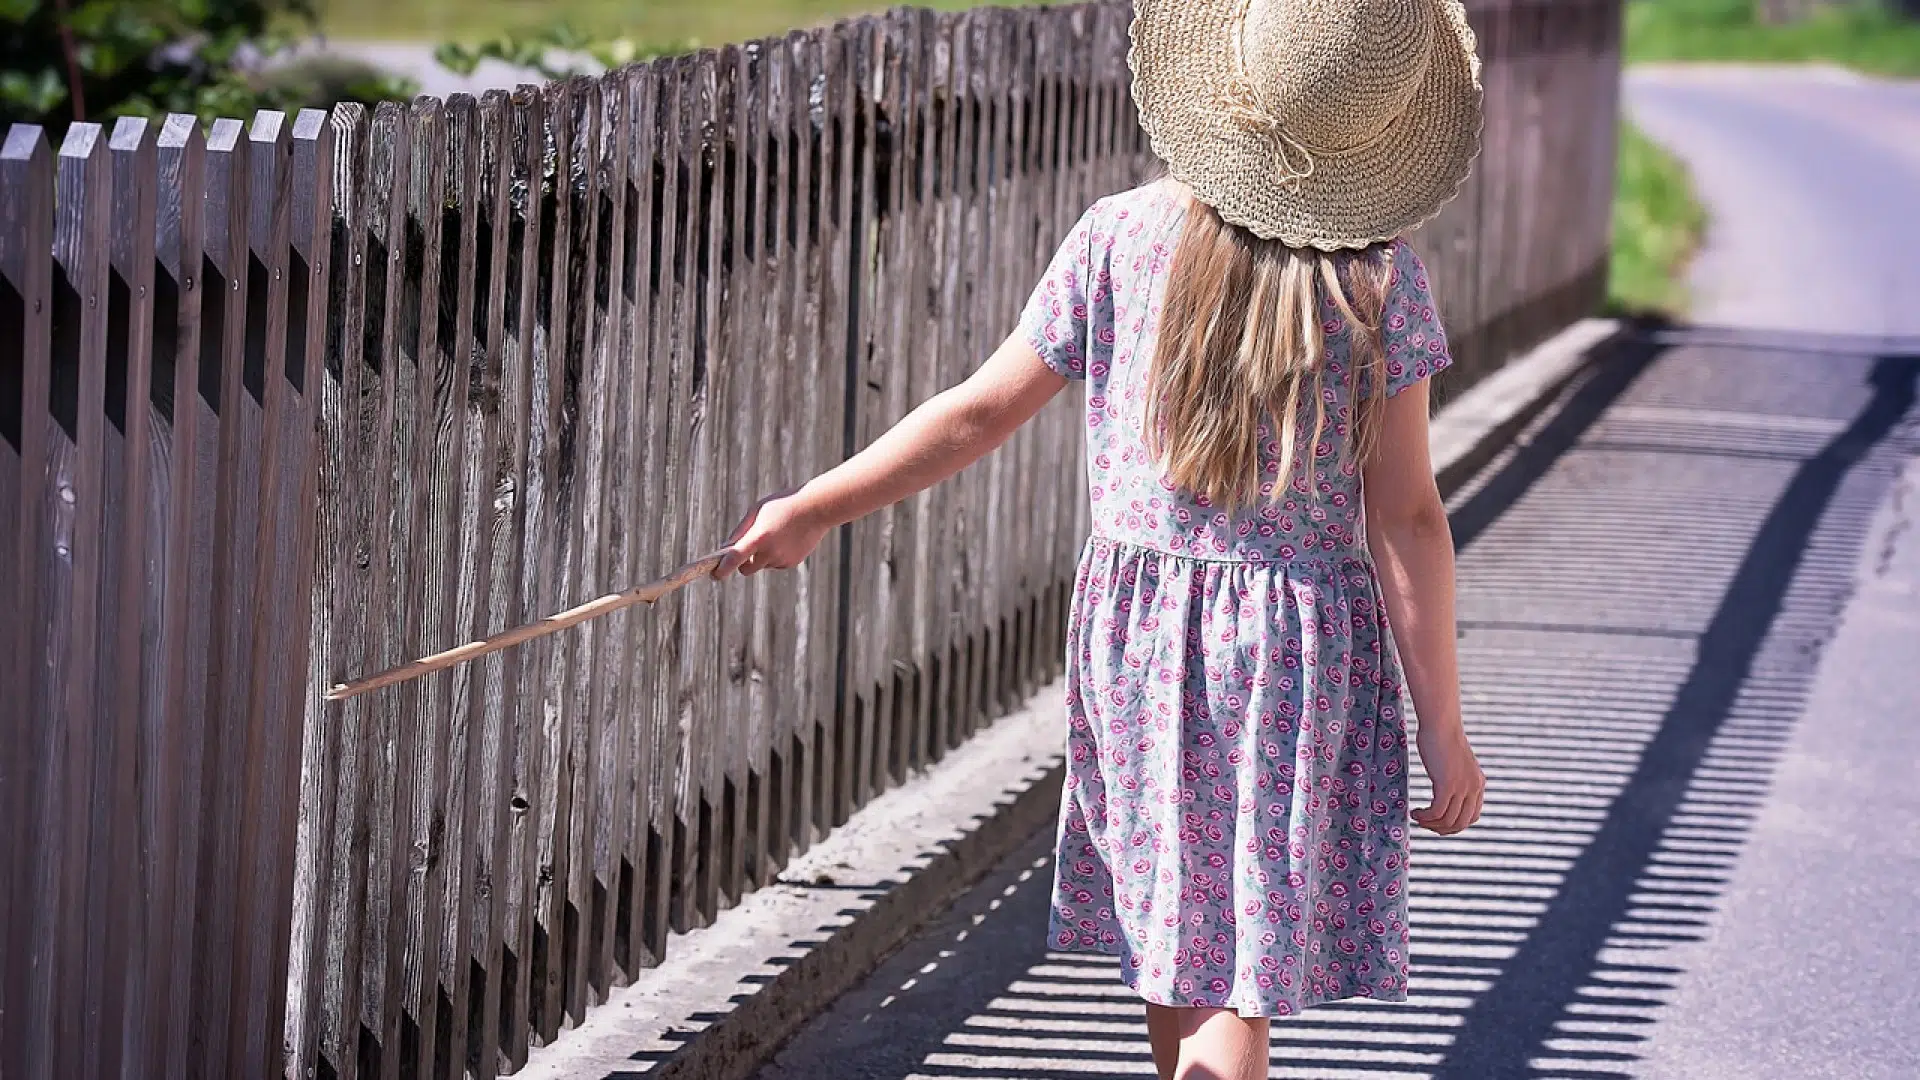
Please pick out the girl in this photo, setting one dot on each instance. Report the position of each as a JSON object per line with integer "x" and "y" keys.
{"x": 1256, "y": 343}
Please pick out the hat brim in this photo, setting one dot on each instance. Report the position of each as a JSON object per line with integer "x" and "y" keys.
{"x": 1352, "y": 199}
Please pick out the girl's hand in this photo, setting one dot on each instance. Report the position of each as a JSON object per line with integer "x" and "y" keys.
{"x": 778, "y": 534}
{"x": 1458, "y": 783}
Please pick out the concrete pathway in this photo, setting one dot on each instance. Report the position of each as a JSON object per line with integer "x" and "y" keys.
{"x": 1690, "y": 632}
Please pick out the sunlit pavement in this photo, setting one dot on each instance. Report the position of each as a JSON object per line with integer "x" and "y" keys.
{"x": 1690, "y": 637}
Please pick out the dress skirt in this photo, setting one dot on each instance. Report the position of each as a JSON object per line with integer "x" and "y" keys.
{"x": 1234, "y": 820}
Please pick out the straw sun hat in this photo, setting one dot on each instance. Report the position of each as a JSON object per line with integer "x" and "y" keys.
{"x": 1319, "y": 123}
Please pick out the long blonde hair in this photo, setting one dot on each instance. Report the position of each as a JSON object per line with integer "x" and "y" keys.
{"x": 1241, "y": 343}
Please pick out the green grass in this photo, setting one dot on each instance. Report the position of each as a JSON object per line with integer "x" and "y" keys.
{"x": 1863, "y": 35}
{"x": 1657, "y": 225}
{"x": 707, "y": 22}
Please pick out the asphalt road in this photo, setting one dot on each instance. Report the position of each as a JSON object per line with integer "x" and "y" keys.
{"x": 1690, "y": 632}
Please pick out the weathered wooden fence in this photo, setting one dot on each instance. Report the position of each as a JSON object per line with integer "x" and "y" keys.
{"x": 286, "y": 402}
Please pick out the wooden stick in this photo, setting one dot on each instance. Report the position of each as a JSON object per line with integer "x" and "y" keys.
{"x": 593, "y": 609}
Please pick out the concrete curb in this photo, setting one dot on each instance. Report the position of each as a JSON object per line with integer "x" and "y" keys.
{"x": 733, "y": 992}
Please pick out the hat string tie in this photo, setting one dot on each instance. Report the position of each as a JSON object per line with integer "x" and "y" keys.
{"x": 1241, "y": 106}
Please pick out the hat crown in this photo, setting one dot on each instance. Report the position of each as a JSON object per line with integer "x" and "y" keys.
{"x": 1334, "y": 74}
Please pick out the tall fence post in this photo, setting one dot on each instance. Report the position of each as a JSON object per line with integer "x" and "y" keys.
{"x": 26, "y": 319}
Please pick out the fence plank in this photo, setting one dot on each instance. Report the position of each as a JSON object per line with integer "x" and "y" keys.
{"x": 463, "y": 520}
{"x": 306, "y": 188}
{"x": 886, "y": 370}
{"x": 835, "y": 120}
{"x": 331, "y": 896}
{"x": 495, "y": 401}
{"x": 169, "y": 731}
{"x": 79, "y": 488}
{"x": 417, "y": 711}
{"x": 561, "y": 384}
{"x": 553, "y": 372}
{"x": 256, "y": 731}
{"x": 26, "y": 323}
{"x": 920, "y": 218}
{"x": 118, "y": 821}
{"x": 694, "y": 816}
{"x": 767, "y": 665}
{"x": 666, "y": 377}
{"x": 958, "y": 600}
{"x": 327, "y": 149}
{"x": 612, "y": 704}
{"x": 997, "y": 568}
{"x": 1049, "y": 231}
{"x": 536, "y": 402}
{"x": 233, "y": 483}
{"x": 437, "y": 396}
{"x": 366, "y": 920}
{"x": 202, "y": 300}
{"x": 637, "y": 671}
{"x": 733, "y": 290}
{"x": 71, "y": 568}
{"x": 707, "y": 499}
{"x": 791, "y": 81}
{"x": 1035, "y": 480}
{"x": 590, "y": 361}
{"x": 859, "y": 46}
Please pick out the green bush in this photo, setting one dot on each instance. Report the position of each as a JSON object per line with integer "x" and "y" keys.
{"x": 64, "y": 60}
{"x": 554, "y": 52}
{"x": 1657, "y": 224}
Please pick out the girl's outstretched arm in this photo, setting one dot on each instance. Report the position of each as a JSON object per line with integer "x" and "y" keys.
{"x": 945, "y": 434}
{"x": 1412, "y": 545}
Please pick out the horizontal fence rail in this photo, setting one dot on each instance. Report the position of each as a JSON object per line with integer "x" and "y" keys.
{"x": 289, "y": 401}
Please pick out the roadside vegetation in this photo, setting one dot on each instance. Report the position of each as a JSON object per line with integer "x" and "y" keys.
{"x": 1870, "y": 36}
{"x": 98, "y": 59}
{"x": 648, "y": 28}
{"x": 1658, "y": 223}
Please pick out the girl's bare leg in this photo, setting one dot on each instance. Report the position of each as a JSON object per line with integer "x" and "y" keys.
{"x": 1213, "y": 1044}
{"x": 1163, "y": 1032}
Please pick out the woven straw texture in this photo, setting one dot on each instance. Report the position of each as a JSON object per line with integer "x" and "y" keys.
{"x": 1319, "y": 123}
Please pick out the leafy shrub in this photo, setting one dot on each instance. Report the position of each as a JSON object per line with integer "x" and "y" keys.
{"x": 557, "y": 52}
{"x": 66, "y": 60}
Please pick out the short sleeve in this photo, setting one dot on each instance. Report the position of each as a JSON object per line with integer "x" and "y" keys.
{"x": 1416, "y": 342}
{"x": 1055, "y": 320}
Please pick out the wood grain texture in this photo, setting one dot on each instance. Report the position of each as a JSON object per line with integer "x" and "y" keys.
{"x": 327, "y": 149}
{"x": 260, "y": 730}
{"x": 633, "y": 949}
{"x": 26, "y": 265}
{"x": 367, "y": 1028}
{"x": 666, "y": 377}
{"x": 533, "y": 400}
{"x": 170, "y": 729}
{"x": 73, "y": 563}
{"x": 119, "y": 823}
{"x": 498, "y": 394}
{"x": 610, "y": 705}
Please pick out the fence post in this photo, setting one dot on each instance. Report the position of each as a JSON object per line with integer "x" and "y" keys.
{"x": 127, "y": 539}
{"x": 185, "y": 448}
{"x": 70, "y": 584}
{"x": 26, "y": 317}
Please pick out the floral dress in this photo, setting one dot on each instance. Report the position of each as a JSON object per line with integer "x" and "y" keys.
{"x": 1234, "y": 821}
